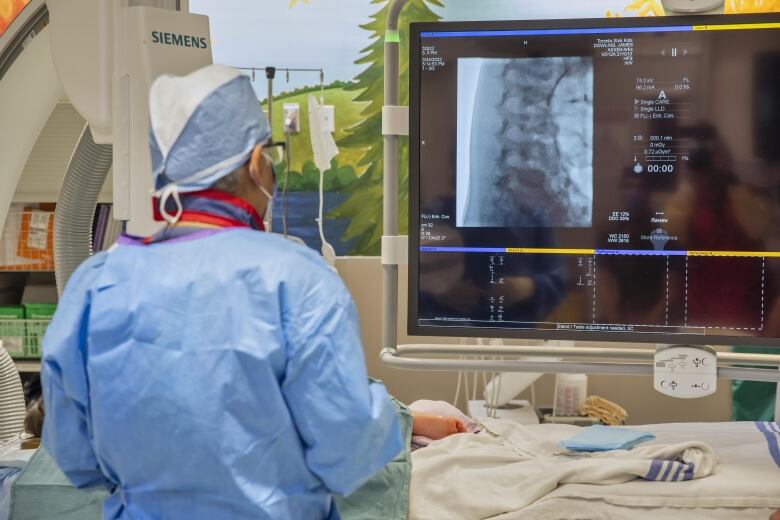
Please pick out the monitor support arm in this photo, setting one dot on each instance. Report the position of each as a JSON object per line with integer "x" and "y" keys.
{"x": 454, "y": 358}
{"x": 392, "y": 129}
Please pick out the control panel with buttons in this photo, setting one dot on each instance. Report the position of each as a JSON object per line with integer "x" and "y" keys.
{"x": 686, "y": 371}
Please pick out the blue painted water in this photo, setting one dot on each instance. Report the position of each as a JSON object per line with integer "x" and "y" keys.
{"x": 302, "y": 212}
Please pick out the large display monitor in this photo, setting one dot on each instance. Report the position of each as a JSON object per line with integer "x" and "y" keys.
{"x": 606, "y": 179}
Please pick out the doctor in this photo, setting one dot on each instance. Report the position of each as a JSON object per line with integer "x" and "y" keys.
{"x": 212, "y": 371}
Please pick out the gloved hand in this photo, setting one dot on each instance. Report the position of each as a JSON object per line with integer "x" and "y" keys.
{"x": 436, "y": 427}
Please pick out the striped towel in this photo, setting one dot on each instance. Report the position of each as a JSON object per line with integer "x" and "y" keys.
{"x": 680, "y": 469}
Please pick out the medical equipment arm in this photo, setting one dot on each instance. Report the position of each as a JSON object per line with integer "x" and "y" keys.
{"x": 348, "y": 425}
{"x": 66, "y": 434}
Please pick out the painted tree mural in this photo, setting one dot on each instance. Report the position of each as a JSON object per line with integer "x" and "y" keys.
{"x": 641, "y": 8}
{"x": 361, "y": 144}
{"x": 752, "y": 6}
{"x": 364, "y": 205}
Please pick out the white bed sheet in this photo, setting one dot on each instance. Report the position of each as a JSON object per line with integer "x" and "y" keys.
{"x": 745, "y": 485}
{"x": 571, "y": 509}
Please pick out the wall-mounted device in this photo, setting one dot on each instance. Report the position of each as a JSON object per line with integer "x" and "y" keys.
{"x": 329, "y": 118}
{"x": 292, "y": 118}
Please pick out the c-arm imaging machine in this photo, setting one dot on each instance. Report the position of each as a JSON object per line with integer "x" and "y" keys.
{"x": 101, "y": 56}
{"x": 107, "y": 53}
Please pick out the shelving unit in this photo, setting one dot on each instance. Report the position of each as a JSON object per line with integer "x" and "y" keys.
{"x": 27, "y": 241}
{"x": 26, "y": 263}
{"x": 28, "y": 366}
{"x": 22, "y": 337}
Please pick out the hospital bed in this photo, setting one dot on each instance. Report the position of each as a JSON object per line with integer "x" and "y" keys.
{"x": 33, "y": 488}
{"x": 745, "y": 485}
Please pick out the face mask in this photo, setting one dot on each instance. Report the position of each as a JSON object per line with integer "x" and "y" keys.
{"x": 268, "y": 217}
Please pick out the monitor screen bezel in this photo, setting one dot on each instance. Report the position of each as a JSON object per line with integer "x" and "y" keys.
{"x": 413, "y": 327}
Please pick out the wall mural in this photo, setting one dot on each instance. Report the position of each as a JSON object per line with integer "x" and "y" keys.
{"x": 9, "y": 9}
{"x": 345, "y": 39}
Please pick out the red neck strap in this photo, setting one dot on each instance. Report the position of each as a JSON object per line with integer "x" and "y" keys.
{"x": 215, "y": 220}
{"x": 202, "y": 217}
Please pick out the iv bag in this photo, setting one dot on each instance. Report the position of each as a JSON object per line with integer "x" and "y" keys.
{"x": 322, "y": 143}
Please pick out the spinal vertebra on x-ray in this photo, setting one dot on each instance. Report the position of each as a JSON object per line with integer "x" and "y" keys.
{"x": 530, "y": 142}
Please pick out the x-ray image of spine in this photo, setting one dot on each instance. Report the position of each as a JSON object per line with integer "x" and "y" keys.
{"x": 525, "y": 142}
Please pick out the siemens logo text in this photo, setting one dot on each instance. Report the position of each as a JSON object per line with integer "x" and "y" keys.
{"x": 195, "y": 42}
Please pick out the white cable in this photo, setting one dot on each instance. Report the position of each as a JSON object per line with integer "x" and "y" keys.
{"x": 555, "y": 401}
{"x": 460, "y": 381}
{"x": 288, "y": 153}
{"x": 466, "y": 379}
{"x": 498, "y": 390}
{"x": 322, "y": 207}
{"x": 488, "y": 399}
{"x": 457, "y": 388}
{"x": 496, "y": 376}
{"x": 474, "y": 393}
{"x": 328, "y": 252}
{"x": 533, "y": 395}
{"x": 476, "y": 374}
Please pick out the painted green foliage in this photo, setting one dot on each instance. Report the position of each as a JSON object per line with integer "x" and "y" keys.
{"x": 364, "y": 205}
{"x": 336, "y": 178}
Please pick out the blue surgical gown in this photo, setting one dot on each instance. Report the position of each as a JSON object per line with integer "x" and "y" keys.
{"x": 219, "y": 376}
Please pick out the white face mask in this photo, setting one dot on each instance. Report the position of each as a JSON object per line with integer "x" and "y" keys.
{"x": 268, "y": 217}
{"x": 170, "y": 191}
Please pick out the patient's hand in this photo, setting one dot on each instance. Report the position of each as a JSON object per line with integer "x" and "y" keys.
{"x": 436, "y": 427}
{"x": 775, "y": 516}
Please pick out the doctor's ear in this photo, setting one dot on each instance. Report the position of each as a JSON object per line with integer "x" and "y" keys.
{"x": 256, "y": 163}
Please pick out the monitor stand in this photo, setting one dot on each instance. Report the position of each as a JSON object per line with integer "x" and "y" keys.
{"x": 777, "y": 403}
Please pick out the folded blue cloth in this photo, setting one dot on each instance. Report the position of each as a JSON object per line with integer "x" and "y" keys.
{"x": 605, "y": 438}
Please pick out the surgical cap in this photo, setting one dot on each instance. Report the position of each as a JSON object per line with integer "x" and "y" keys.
{"x": 203, "y": 127}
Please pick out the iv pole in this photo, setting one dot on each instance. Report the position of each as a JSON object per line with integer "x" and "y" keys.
{"x": 270, "y": 73}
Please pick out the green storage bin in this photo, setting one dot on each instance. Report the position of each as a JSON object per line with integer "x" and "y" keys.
{"x": 12, "y": 330}
{"x": 38, "y": 316}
